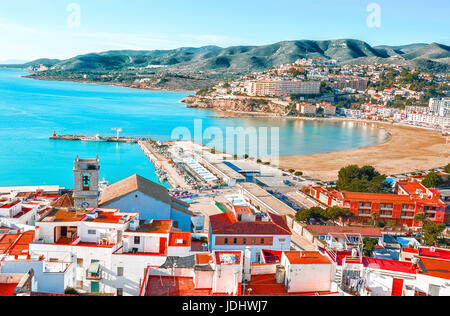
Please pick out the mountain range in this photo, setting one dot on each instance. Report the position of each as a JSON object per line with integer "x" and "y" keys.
{"x": 216, "y": 62}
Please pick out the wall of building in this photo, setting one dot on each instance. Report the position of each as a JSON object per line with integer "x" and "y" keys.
{"x": 150, "y": 208}
{"x": 46, "y": 282}
{"x": 308, "y": 277}
{"x": 278, "y": 243}
{"x": 262, "y": 269}
{"x": 134, "y": 267}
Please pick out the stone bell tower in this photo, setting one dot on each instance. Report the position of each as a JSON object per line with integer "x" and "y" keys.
{"x": 86, "y": 173}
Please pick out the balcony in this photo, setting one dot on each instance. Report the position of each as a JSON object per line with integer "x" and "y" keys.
{"x": 94, "y": 272}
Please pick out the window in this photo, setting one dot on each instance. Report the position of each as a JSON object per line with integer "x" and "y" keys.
{"x": 119, "y": 271}
{"x": 262, "y": 241}
{"x": 137, "y": 240}
{"x": 253, "y": 241}
{"x": 225, "y": 241}
{"x": 119, "y": 292}
{"x": 434, "y": 290}
{"x": 92, "y": 232}
{"x": 245, "y": 241}
{"x": 235, "y": 241}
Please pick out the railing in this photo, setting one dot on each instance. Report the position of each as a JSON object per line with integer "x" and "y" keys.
{"x": 332, "y": 253}
{"x": 353, "y": 260}
{"x": 94, "y": 276}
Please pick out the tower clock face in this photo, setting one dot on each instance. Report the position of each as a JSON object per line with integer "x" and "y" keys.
{"x": 85, "y": 204}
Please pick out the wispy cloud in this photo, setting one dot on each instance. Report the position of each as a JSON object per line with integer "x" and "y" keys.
{"x": 6, "y": 26}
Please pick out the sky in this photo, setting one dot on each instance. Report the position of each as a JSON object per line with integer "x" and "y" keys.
{"x": 31, "y": 29}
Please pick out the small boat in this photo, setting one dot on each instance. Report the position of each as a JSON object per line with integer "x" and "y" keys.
{"x": 95, "y": 138}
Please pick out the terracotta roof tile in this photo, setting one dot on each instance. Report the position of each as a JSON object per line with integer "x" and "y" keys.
{"x": 226, "y": 223}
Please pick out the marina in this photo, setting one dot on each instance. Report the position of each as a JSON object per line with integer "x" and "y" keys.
{"x": 97, "y": 138}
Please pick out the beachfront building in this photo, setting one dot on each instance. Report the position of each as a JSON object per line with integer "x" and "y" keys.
{"x": 358, "y": 84}
{"x": 306, "y": 108}
{"x": 282, "y": 87}
{"x": 410, "y": 199}
{"x": 440, "y": 107}
{"x": 328, "y": 109}
{"x": 150, "y": 200}
{"x": 244, "y": 227}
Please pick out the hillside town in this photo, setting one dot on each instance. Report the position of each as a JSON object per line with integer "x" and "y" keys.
{"x": 316, "y": 87}
{"x": 249, "y": 230}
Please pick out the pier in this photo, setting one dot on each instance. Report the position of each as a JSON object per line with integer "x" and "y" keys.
{"x": 97, "y": 138}
{"x": 161, "y": 162}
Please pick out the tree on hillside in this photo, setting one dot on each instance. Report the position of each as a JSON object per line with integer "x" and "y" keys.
{"x": 336, "y": 213}
{"x": 365, "y": 179}
{"x": 447, "y": 168}
{"x": 432, "y": 180}
{"x": 432, "y": 231}
{"x": 304, "y": 215}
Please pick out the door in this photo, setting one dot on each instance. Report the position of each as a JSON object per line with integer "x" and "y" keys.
{"x": 95, "y": 287}
{"x": 162, "y": 245}
{"x": 397, "y": 287}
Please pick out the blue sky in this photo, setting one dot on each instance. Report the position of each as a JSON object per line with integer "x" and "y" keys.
{"x": 32, "y": 29}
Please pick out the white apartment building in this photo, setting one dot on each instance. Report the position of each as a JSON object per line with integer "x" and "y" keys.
{"x": 282, "y": 87}
{"x": 440, "y": 107}
{"x": 306, "y": 108}
{"x": 110, "y": 249}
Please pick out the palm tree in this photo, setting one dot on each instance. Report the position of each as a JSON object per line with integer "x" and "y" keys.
{"x": 420, "y": 217}
{"x": 374, "y": 219}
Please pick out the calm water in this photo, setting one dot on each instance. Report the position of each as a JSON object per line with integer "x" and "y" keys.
{"x": 31, "y": 110}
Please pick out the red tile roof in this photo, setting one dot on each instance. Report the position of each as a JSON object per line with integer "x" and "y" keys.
{"x": 204, "y": 258}
{"x": 437, "y": 268}
{"x": 180, "y": 239}
{"x": 320, "y": 230}
{"x": 242, "y": 210}
{"x": 307, "y": 257}
{"x": 389, "y": 265}
{"x": 227, "y": 224}
{"x": 6, "y": 241}
{"x": 266, "y": 285}
{"x": 175, "y": 286}
{"x": 435, "y": 253}
{"x": 7, "y": 289}
{"x": 22, "y": 245}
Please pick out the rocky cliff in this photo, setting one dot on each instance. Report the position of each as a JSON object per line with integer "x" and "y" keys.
{"x": 240, "y": 104}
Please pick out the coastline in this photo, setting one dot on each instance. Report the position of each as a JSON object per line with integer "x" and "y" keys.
{"x": 407, "y": 149}
{"x": 130, "y": 86}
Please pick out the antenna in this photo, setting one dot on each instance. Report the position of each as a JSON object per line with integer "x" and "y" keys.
{"x": 118, "y": 130}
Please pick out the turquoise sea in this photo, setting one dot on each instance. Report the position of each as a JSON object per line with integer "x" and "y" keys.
{"x": 31, "y": 110}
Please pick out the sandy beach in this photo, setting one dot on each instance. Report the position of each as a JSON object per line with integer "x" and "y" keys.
{"x": 408, "y": 149}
